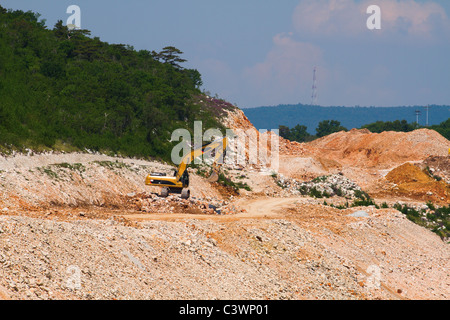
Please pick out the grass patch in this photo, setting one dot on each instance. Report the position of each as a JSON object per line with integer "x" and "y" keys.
{"x": 113, "y": 164}
{"x": 49, "y": 172}
{"x": 320, "y": 179}
{"x": 71, "y": 166}
{"x": 229, "y": 183}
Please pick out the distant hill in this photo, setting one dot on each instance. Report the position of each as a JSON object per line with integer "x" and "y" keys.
{"x": 350, "y": 117}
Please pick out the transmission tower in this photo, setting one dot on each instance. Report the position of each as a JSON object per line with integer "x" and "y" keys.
{"x": 417, "y": 116}
{"x": 427, "y": 108}
{"x": 314, "y": 88}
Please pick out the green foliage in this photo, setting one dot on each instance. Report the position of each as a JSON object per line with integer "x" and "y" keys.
{"x": 64, "y": 88}
{"x": 320, "y": 179}
{"x": 364, "y": 203}
{"x": 437, "y": 218}
{"x": 337, "y": 190}
{"x": 404, "y": 126}
{"x": 406, "y": 210}
{"x": 443, "y": 128}
{"x": 71, "y": 166}
{"x": 397, "y": 125}
{"x": 328, "y": 127}
{"x": 229, "y": 183}
{"x": 170, "y": 55}
{"x": 362, "y": 195}
{"x": 428, "y": 171}
{"x": 298, "y": 133}
{"x": 313, "y": 192}
{"x": 431, "y": 206}
{"x": 112, "y": 164}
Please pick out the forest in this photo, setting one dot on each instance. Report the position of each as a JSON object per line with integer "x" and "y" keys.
{"x": 300, "y": 133}
{"x": 376, "y": 119}
{"x": 65, "y": 90}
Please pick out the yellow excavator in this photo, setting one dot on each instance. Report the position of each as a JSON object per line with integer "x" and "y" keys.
{"x": 179, "y": 183}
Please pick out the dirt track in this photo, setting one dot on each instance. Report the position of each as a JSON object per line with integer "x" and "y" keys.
{"x": 259, "y": 208}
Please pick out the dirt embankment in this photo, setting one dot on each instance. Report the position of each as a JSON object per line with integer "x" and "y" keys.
{"x": 411, "y": 181}
{"x": 46, "y": 180}
{"x": 361, "y": 148}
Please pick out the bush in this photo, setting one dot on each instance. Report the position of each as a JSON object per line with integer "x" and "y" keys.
{"x": 364, "y": 203}
{"x": 313, "y": 192}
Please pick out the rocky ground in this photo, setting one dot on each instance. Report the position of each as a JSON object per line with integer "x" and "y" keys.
{"x": 308, "y": 251}
{"x": 85, "y": 226}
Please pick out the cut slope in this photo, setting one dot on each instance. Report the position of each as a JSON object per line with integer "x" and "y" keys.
{"x": 81, "y": 180}
{"x": 361, "y": 148}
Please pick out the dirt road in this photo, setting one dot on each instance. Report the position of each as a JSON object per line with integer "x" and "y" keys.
{"x": 258, "y": 208}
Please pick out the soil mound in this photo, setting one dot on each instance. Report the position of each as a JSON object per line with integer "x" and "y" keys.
{"x": 413, "y": 182}
{"x": 408, "y": 173}
{"x": 361, "y": 148}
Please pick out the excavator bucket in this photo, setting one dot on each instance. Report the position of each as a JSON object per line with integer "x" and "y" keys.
{"x": 214, "y": 177}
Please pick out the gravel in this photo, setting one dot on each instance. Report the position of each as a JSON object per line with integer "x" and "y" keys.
{"x": 46, "y": 259}
{"x": 332, "y": 185}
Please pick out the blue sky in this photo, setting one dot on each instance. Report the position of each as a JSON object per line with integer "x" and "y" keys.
{"x": 259, "y": 53}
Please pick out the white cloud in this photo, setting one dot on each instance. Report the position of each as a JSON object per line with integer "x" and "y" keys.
{"x": 330, "y": 34}
{"x": 286, "y": 73}
{"x": 347, "y": 18}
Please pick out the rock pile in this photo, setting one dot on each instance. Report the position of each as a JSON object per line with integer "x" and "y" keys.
{"x": 153, "y": 203}
{"x": 439, "y": 167}
{"x": 327, "y": 186}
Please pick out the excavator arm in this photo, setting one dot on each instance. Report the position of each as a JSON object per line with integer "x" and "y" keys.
{"x": 216, "y": 149}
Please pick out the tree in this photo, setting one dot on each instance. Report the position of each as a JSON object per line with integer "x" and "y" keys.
{"x": 397, "y": 125}
{"x": 298, "y": 133}
{"x": 170, "y": 55}
{"x": 196, "y": 77}
{"x": 284, "y": 132}
{"x": 443, "y": 128}
{"x": 328, "y": 127}
{"x": 60, "y": 30}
